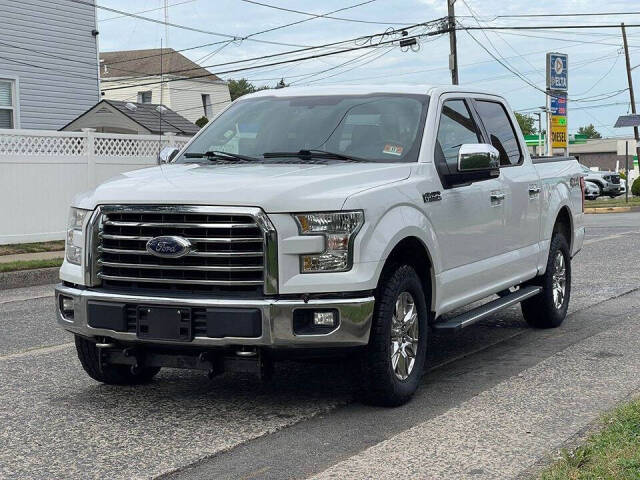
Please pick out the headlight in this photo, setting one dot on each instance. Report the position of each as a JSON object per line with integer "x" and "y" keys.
{"x": 339, "y": 230}
{"x": 75, "y": 239}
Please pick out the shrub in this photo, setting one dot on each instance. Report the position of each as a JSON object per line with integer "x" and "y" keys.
{"x": 623, "y": 175}
{"x": 635, "y": 188}
{"x": 202, "y": 121}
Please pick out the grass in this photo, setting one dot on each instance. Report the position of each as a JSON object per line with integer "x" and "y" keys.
{"x": 612, "y": 453}
{"x": 32, "y": 247}
{"x": 614, "y": 202}
{"x": 29, "y": 264}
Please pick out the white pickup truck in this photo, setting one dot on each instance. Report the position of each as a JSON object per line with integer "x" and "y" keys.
{"x": 321, "y": 221}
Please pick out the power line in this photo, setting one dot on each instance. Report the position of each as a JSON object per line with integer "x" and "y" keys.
{"x": 182, "y": 27}
{"x": 147, "y": 11}
{"x": 282, "y": 62}
{"x": 584, "y": 14}
{"x": 324, "y": 16}
{"x": 287, "y": 25}
{"x": 545, "y": 27}
{"x": 368, "y": 42}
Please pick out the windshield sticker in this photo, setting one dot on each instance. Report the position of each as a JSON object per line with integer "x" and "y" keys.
{"x": 392, "y": 150}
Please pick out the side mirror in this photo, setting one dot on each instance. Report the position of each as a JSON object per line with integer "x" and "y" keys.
{"x": 474, "y": 157}
{"x": 167, "y": 154}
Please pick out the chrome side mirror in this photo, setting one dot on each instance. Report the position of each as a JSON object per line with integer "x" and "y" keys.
{"x": 167, "y": 154}
{"x": 478, "y": 156}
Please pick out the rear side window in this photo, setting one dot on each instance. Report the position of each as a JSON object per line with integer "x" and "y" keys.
{"x": 500, "y": 130}
{"x": 456, "y": 128}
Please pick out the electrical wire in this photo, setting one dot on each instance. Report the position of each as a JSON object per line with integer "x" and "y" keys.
{"x": 324, "y": 16}
{"x": 282, "y": 62}
{"x": 146, "y": 11}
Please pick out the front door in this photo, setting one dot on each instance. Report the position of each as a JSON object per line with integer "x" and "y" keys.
{"x": 468, "y": 221}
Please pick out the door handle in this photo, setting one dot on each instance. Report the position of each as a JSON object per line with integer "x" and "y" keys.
{"x": 534, "y": 189}
{"x": 497, "y": 196}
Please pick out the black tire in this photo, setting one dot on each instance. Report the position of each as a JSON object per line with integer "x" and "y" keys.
{"x": 541, "y": 311}
{"x": 380, "y": 384}
{"x": 109, "y": 374}
{"x": 600, "y": 191}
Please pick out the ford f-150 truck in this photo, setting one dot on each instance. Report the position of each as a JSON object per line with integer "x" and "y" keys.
{"x": 343, "y": 221}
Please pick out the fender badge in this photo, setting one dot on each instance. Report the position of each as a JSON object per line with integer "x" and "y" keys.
{"x": 431, "y": 197}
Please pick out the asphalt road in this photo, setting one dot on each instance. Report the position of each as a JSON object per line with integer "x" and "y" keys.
{"x": 56, "y": 422}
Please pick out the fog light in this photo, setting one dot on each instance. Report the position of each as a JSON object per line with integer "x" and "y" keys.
{"x": 324, "y": 319}
{"x": 308, "y": 321}
{"x": 66, "y": 307}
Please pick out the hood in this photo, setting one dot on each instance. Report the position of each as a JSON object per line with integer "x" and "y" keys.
{"x": 276, "y": 188}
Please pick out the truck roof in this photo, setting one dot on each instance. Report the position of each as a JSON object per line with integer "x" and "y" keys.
{"x": 420, "y": 89}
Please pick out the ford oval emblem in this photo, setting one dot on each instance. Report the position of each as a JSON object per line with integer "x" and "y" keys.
{"x": 169, "y": 247}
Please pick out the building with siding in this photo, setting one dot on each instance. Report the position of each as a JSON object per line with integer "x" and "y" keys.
{"x": 48, "y": 62}
{"x": 137, "y": 76}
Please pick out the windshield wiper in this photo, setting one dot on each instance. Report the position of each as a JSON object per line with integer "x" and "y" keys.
{"x": 314, "y": 153}
{"x": 219, "y": 154}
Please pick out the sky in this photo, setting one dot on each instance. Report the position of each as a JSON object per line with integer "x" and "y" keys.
{"x": 597, "y": 75}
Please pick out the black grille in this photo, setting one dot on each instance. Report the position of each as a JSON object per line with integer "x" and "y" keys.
{"x": 227, "y": 252}
{"x": 615, "y": 179}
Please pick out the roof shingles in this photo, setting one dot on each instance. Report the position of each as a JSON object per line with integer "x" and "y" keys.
{"x": 147, "y": 115}
{"x": 141, "y": 63}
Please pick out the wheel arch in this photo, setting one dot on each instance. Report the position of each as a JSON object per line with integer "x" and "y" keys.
{"x": 411, "y": 250}
{"x": 563, "y": 223}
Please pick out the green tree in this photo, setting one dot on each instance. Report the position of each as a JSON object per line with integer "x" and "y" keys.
{"x": 590, "y": 131}
{"x": 281, "y": 84}
{"x": 202, "y": 121}
{"x": 527, "y": 124}
{"x": 238, "y": 88}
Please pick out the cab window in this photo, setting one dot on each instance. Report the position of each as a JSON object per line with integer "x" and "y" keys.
{"x": 456, "y": 128}
{"x": 500, "y": 130}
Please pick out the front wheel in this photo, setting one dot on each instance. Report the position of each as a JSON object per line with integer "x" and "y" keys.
{"x": 393, "y": 362}
{"x": 549, "y": 308}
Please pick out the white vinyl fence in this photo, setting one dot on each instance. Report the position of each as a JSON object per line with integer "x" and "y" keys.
{"x": 41, "y": 171}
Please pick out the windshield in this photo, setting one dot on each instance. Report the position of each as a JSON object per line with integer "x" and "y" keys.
{"x": 376, "y": 128}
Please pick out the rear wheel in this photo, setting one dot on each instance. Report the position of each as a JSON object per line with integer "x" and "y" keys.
{"x": 88, "y": 354}
{"x": 549, "y": 308}
{"x": 393, "y": 362}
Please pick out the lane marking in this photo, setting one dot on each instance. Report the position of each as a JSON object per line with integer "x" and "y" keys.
{"x": 33, "y": 352}
{"x": 604, "y": 239}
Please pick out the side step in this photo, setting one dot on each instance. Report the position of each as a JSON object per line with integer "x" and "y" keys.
{"x": 469, "y": 318}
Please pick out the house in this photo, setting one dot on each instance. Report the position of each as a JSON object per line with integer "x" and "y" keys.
{"x": 49, "y": 62}
{"x": 599, "y": 152}
{"x": 114, "y": 116}
{"x": 137, "y": 76}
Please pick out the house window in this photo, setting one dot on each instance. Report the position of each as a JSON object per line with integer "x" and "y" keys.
{"x": 7, "y": 104}
{"x": 144, "y": 97}
{"x": 206, "y": 105}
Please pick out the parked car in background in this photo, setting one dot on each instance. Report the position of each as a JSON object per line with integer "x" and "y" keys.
{"x": 345, "y": 220}
{"x": 591, "y": 190}
{"x": 608, "y": 182}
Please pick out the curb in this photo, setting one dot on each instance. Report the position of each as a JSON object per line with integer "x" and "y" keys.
{"x": 607, "y": 210}
{"x": 29, "y": 278}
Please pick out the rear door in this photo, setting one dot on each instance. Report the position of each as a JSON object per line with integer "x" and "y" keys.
{"x": 520, "y": 185}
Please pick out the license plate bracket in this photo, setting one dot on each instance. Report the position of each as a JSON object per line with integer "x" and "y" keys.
{"x": 164, "y": 323}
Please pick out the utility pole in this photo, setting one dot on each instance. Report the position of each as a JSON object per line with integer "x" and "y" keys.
{"x": 453, "y": 56}
{"x": 636, "y": 134}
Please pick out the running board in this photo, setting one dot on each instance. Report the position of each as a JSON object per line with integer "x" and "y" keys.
{"x": 469, "y": 318}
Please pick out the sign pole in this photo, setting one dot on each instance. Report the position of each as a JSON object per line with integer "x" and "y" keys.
{"x": 549, "y": 134}
{"x": 626, "y": 177}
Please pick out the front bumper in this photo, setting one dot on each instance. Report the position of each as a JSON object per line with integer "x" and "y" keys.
{"x": 355, "y": 316}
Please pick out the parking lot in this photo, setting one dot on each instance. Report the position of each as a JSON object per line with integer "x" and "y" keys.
{"x": 57, "y": 422}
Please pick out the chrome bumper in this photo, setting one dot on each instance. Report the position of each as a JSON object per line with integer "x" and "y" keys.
{"x": 355, "y": 316}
